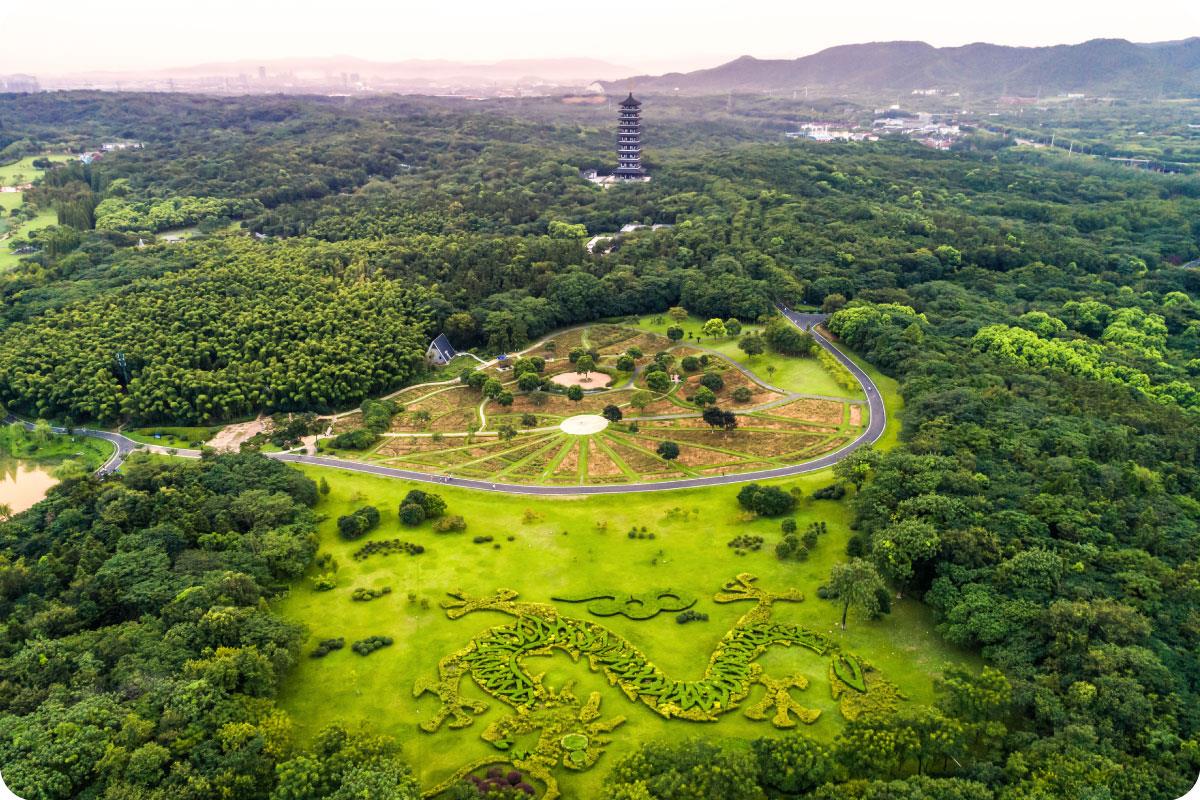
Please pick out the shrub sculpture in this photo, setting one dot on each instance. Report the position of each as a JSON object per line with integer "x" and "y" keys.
{"x": 643, "y": 605}
{"x": 498, "y": 783}
{"x": 327, "y": 646}
{"x": 364, "y": 647}
{"x": 495, "y": 662}
{"x": 387, "y": 547}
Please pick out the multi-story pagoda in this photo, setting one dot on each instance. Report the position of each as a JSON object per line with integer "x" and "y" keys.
{"x": 629, "y": 140}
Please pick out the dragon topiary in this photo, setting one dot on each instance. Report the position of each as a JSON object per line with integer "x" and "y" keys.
{"x": 495, "y": 661}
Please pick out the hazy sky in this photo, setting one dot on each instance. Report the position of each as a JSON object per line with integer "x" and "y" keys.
{"x": 68, "y": 35}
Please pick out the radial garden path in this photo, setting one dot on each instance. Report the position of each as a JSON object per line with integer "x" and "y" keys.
{"x": 876, "y": 424}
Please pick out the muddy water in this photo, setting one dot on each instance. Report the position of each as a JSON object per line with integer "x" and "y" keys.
{"x": 22, "y": 484}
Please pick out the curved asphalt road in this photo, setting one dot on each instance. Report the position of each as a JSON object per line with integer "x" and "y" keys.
{"x": 876, "y": 423}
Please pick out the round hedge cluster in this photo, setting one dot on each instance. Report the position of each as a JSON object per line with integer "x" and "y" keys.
{"x": 365, "y": 595}
{"x": 497, "y": 781}
{"x": 691, "y": 616}
{"x": 327, "y": 646}
{"x": 744, "y": 543}
{"x": 364, "y": 647}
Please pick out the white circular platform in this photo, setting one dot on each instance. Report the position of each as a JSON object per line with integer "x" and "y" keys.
{"x": 583, "y": 424}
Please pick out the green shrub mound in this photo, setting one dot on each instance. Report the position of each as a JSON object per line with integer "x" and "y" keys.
{"x": 357, "y": 439}
{"x": 691, "y": 615}
{"x": 387, "y": 547}
{"x": 364, "y": 647}
{"x": 746, "y": 543}
{"x": 364, "y": 595}
{"x": 327, "y": 646}
{"x": 358, "y": 524}
{"x": 450, "y": 524}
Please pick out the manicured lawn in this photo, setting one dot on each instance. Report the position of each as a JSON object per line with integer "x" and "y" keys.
{"x": 571, "y": 546}
{"x": 182, "y": 437}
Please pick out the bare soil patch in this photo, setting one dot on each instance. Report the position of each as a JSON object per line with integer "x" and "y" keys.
{"x": 229, "y": 439}
{"x": 600, "y": 465}
{"x": 825, "y": 411}
{"x": 570, "y": 464}
{"x": 856, "y": 414}
{"x": 648, "y": 343}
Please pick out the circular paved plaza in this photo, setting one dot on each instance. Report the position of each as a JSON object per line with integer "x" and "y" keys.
{"x": 583, "y": 424}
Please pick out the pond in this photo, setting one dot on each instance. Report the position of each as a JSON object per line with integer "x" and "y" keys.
{"x": 23, "y": 483}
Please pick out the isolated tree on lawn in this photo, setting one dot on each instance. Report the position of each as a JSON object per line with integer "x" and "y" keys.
{"x": 674, "y": 333}
{"x": 752, "y": 345}
{"x": 714, "y": 328}
{"x": 574, "y": 393}
{"x": 855, "y": 583}
{"x": 612, "y": 413}
{"x": 668, "y": 451}
{"x": 677, "y": 313}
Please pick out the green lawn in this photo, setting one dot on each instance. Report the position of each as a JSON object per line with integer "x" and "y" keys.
{"x": 803, "y": 375}
{"x": 44, "y": 219}
{"x": 23, "y": 171}
{"x": 21, "y": 444}
{"x": 181, "y": 437}
{"x": 557, "y": 548}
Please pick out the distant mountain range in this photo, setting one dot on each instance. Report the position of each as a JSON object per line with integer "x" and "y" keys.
{"x": 1100, "y": 66}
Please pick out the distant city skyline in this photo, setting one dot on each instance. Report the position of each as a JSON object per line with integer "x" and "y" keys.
{"x": 147, "y": 35}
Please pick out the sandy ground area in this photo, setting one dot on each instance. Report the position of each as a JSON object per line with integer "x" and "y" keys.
{"x": 230, "y": 438}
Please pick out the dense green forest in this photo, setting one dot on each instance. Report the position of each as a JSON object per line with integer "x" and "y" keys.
{"x": 1035, "y": 310}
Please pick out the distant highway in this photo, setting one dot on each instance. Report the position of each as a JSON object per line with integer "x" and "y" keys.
{"x": 876, "y": 424}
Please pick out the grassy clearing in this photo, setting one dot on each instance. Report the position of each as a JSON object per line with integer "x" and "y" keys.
{"x": 559, "y": 547}
{"x": 803, "y": 375}
{"x": 182, "y": 437}
{"x": 23, "y": 171}
{"x": 44, "y": 219}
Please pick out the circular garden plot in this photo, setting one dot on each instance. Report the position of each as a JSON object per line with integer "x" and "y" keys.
{"x": 649, "y": 425}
